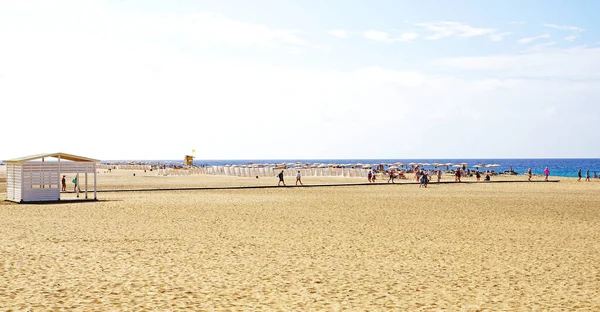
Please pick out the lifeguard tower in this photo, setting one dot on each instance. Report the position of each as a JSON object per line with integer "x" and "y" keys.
{"x": 188, "y": 160}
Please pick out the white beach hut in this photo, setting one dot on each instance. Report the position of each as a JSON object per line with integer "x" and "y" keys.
{"x": 37, "y": 178}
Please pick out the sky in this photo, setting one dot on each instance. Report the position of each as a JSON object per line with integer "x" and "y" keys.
{"x": 305, "y": 79}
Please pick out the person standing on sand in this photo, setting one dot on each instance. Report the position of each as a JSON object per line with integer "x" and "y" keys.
{"x": 298, "y": 178}
{"x": 579, "y": 175}
{"x": 64, "y": 183}
{"x": 587, "y": 176}
{"x": 439, "y": 175}
{"x": 75, "y": 182}
{"x": 370, "y": 176}
{"x": 546, "y": 173}
{"x": 457, "y": 175}
{"x": 280, "y": 175}
{"x": 595, "y": 175}
{"x": 478, "y": 175}
{"x": 529, "y": 174}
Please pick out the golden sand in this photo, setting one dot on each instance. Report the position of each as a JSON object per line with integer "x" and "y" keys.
{"x": 451, "y": 247}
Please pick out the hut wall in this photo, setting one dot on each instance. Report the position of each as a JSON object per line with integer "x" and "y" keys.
{"x": 40, "y": 182}
{"x": 13, "y": 182}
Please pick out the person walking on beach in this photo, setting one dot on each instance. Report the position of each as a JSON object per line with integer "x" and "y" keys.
{"x": 439, "y": 175}
{"x": 64, "y": 183}
{"x": 423, "y": 181}
{"x": 457, "y": 175}
{"x": 529, "y": 174}
{"x": 370, "y": 176}
{"x": 298, "y": 178}
{"x": 478, "y": 175}
{"x": 392, "y": 176}
{"x": 546, "y": 173}
{"x": 280, "y": 175}
{"x": 587, "y": 176}
{"x": 579, "y": 175}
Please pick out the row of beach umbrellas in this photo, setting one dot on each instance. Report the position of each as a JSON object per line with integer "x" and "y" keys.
{"x": 396, "y": 165}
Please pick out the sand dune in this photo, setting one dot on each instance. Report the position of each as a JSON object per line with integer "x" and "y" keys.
{"x": 469, "y": 247}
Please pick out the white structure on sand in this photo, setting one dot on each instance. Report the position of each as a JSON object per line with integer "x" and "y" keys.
{"x": 37, "y": 178}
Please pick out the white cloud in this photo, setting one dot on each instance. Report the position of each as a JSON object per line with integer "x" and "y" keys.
{"x": 340, "y": 33}
{"x": 445, "y": 29}
{"x": 564, "y": 27}
{"x": 570, "y": 38}
{"x": 385, "y": 37}
{"x": 531, "y": 39}
{"x": 135, "y": 82}
{"x": 499, "y": 36}
{"x": 572, "y": 63}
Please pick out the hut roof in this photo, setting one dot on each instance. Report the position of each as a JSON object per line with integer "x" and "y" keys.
{"x": 64, "y": 156}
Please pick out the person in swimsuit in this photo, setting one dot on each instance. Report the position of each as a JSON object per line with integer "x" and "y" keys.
{"x": 587, "y": 176}
{"x": 457, "y": 175}
{"x": 298, "y": 178}
{"x": 439, "y": 175}
{"x": 392, "y": 176}
{"x": 546, "y": 173}
{"x": 478, "y": 175}
{"x": 529, "y": 174}
{"x": 579, "y": 175}
{"x": 370, "y": 176}
{"x": 280, "y": 175}
{"x": 64, "y": 184}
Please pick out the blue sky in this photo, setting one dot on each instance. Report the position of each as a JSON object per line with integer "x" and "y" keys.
{"x": 301, "y": 79}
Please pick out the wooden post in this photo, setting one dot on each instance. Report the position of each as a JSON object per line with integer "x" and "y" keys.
{"x": 95, "y": 198}
{"x": 77, "y": 184}
{"x": 86, "y": 186}
{"x": 59, "y": 178}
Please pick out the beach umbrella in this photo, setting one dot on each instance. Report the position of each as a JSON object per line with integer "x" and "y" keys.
{"x": 457, "y": 166}
{"x": 479, "y": 166}
{"x": 464, "y": 164}
{"x": 321, "y": 166}
{"x": 393, "y": 167}
{"x": 367, "y": 166}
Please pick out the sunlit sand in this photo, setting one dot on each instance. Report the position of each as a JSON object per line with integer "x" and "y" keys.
{"x": 471, "y": 247}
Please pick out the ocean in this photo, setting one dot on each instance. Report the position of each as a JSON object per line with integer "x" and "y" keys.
{"x": 566, "y": 167}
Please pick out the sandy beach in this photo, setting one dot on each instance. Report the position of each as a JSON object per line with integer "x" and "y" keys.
{"x": 450, "y": 247}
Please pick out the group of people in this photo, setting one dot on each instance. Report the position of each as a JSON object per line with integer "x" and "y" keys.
{"x": 281, "y": 175}
{"x": 64, "y": 184}
{"x": 587, "y": 175}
